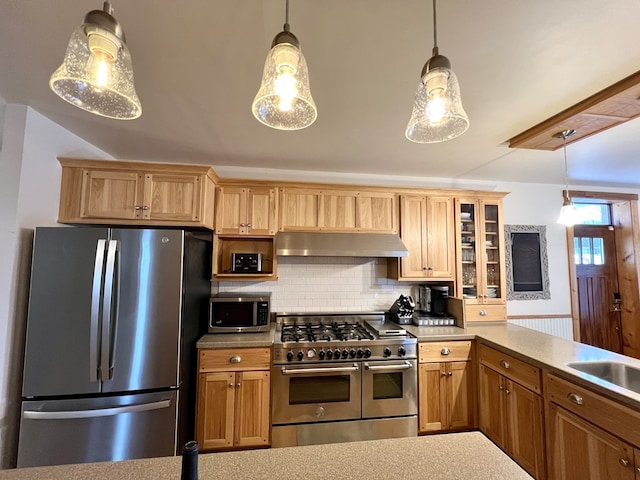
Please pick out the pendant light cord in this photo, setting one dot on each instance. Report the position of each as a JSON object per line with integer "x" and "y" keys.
{"x": 435, "y": 29}
{"x": 286, "y": 16}
{"x": 566, "y": 165}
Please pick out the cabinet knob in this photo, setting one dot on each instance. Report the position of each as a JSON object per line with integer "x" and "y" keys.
{"x": 501, "y": 387}
{"x": 507, "y": 391}
{"x": 243, "y": 224}
{"x": 444, "y": 374}
{"x": 248, "y": 225}
{"x": 450, "y": 374}
{"x": 575, "y": 398}
{"x": 145, "y": 207}
{"x": 504, "y": 364}
{"x": 445, "y": 351}
{"x": 235, "y": 359}
{"x": 137, "y": 207}
{"x": 483, "y": 313}
{"x": 237, "y": 384}
{"x": 231, "y": 385}
{"x": 624, "y": 462}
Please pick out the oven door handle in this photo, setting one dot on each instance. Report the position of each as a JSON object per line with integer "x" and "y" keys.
{"x": 404, "y": 366}
{"x": 295, "y": 371}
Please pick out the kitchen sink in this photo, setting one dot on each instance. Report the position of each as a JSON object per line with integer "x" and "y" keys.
{"x": 619, "y": 374}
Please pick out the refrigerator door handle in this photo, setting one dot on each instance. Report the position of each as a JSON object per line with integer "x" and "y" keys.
{"x": 109, "y": 309}
{"x": 101, "y": 412}
{"x": 96, "y": 297}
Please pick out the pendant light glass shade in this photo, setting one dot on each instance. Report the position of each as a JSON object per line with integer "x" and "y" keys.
{"x": 96, "y": 74}
{"x": 284, "y": 100}
{"x": 437, "y": 113}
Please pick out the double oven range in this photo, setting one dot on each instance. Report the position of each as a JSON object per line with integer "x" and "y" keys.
{"x": 342, "y": 377}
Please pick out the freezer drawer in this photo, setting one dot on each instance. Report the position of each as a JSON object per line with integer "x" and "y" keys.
{"x": 56, "y": 432}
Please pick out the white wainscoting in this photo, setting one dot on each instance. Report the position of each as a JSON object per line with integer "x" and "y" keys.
{"x": 560, "y": 327}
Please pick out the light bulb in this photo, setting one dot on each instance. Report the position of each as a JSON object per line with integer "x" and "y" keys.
{"x": 285, "y": 86}
{"x": 436, "y": 108}
{"x": 99, "y": 70}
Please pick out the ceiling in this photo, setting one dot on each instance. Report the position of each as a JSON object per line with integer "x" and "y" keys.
{"x": 198, "y": 65}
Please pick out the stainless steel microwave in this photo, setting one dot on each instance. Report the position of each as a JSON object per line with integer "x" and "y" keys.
{"x": 239, "y": 313}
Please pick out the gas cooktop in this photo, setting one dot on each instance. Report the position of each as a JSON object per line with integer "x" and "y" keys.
{"x": 339, "y": 336}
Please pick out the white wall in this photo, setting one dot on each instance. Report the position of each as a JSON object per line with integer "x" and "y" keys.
{"x": 29, "y": 191}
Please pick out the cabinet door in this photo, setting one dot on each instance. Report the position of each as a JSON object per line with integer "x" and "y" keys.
{"x": 525, "y": 420}
{"x": 492, "y": 405}
{"x": 460, "y": 390}
{"x": 172, "y": 197}
{"x": 107, "y": 194}
{"x": 231, "y": 210}
{"x": 581, "y": 450}
{"x": 262, "y": 211}
{"x": 432, "y": 397}
{"x": 413, "y": 216}
{"x": 299, "y": 209}
{"x": 376, "y": 212}
{"x": 252, "y": 420}
{"x": 215, "y": 415}
{"x": 491, "y": 280}
{"x": 338, "y": 211}
{"x": 439, "y": 237}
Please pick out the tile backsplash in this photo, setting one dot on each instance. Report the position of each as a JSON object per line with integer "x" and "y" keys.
{"x": 327, "y": 284}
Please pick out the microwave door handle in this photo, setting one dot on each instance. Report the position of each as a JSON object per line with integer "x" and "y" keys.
{"x": 96, "y": 297}
{"x": 404, "y": 366}
{"x": 109, "y": 310}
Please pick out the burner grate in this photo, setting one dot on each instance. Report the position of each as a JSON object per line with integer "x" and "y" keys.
{"x": 325, "y": 332}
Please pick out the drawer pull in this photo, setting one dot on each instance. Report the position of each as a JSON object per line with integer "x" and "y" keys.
{"x": 483, "y": 313}
{"x": 445, "y": 351}
{"x": 575, "y": 398}
{"x": 501, "y": 387}
{"x": 507, "y": 391}
{"x": 504, "y": 364}
{"x": 235, "y": 359}
{"x": 624, "y": 462}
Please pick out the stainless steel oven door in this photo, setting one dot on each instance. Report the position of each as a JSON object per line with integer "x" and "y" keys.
{"x": 315, "y": 392}
{"x": 389, "y": 388}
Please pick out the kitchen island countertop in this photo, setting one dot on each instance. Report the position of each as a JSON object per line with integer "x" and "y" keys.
{"x": 451, "y": 456}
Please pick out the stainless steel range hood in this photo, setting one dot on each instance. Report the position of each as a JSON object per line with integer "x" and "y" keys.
{"x": 297, "y": 244}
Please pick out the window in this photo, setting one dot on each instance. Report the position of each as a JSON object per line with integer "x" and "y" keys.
{"x": 593, "y": 213}
{"x": 588, "y": 251}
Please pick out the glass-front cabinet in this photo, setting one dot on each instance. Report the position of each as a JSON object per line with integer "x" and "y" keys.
{"x": 480, "y": 251}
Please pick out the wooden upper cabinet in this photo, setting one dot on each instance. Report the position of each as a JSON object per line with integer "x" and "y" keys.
{"x": 132, "y": 193}
{"x": 246, "y": 210}
{"x": 427, "y": 230}
{"x": 336, "y": 210}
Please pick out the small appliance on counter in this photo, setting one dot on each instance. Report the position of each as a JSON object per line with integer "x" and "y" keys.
{"x": 401, "y": 312}
{"x": 433, "y": 299}
{"x": 231, "y": 312}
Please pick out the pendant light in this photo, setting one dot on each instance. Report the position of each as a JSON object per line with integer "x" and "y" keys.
{"x": 96, "y": 74}
{"x": 568, "y": 213}
{"x": 284, "y": 100}
{"x": 437, "y": 113}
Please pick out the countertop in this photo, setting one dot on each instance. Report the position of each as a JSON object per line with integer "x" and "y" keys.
{"x": 451, "y": 456}
{"x": 545, "y": 351}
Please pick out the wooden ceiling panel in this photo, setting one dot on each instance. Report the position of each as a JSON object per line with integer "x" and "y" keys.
{"x": 612, "y": 106}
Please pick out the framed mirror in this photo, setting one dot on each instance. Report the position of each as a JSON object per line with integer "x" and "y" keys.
{"x": 526, "y": 262}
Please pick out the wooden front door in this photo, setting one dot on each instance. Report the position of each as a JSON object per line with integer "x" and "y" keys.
{"x": 598, "y": 293}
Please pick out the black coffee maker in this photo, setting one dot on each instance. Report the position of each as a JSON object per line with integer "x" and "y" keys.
{"x": 433, "y": 299}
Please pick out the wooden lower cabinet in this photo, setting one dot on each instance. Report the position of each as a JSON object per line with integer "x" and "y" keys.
{"x": 512, "y": 416}
{"x": 446, "y": 386}
{"x": 233, "y": 407}
{"x": 580, "y": 450}
{"x": 446, "y": 396}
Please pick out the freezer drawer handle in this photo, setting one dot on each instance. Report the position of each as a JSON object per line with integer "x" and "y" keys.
{"x": 102, "y": 412}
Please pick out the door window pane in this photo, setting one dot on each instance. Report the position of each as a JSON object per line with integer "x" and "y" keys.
{"x": 588, "y": 251}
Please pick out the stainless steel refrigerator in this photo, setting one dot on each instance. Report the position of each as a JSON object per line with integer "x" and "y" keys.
{"x": 110, "y": 359}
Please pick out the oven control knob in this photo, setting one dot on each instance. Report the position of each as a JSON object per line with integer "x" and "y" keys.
{"x": 360, "y": 353}
{"x": 321, "y": 354}
{"x": 336, "y": 354}
{"x": 402, "y": 352}
{"x": 300, "y": 355}
{"x": 345, "y": 353}
{"x": 367, "y": 352}
{"x": 289, "y": 355}
{"x": 311, "y": 353}
{"x": 387, "y": 352}
{"x": 352, "y": 353}
{"x": 329, "y": 354}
